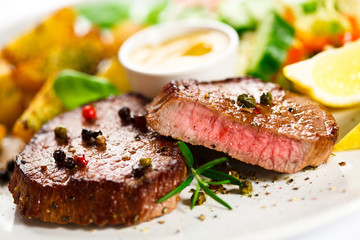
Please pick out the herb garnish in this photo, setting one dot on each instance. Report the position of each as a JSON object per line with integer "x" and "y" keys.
{"x": 204, "y": 170}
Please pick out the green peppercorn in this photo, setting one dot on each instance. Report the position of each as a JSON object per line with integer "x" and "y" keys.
{"x": 60, "y": 133}
{"x": 266, "y": 98}
{"x": 145, "y": 162}
{"x": 246, "y": 188}
{"x": 200, "y": 199}
{"x": 243, "y": 100}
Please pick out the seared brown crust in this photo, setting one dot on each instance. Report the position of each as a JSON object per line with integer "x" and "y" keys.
{"x": 300, "y": 121}
{"x": 106, "y": 190}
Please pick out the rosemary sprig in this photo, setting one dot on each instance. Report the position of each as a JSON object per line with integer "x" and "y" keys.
{"x": 202, "y": 183}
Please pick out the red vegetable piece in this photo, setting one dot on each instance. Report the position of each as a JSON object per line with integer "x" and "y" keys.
{"x": 80, "y": 160}
{"x": 89, "y": 113}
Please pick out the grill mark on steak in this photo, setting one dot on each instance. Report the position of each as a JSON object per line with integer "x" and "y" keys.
{"x": 106, "y": 190}
{"x": 287, "y": 135}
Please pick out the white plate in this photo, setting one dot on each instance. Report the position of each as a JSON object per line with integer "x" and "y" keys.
{"x": 277, "y": 209}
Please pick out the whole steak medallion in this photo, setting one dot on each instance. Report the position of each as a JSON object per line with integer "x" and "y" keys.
{"x": 111, "y": 170}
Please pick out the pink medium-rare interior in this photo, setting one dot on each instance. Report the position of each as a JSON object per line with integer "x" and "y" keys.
{"x": 198, "y": 125}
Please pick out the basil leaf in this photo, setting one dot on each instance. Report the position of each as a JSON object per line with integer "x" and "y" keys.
{"x": 105, "y": 14}
{"x": 75, "y": 88}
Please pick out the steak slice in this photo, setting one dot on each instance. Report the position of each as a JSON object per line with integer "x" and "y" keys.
{"x": 290, "y": 133}
{"x": 112, "y": 188}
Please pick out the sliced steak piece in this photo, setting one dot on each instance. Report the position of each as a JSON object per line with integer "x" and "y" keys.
{"x": 112, "y": 188}
{"x": 286, "y": 136}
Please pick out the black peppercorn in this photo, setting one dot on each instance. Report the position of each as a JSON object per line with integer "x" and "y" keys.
{"x": 290, "y": 109}
{"x": 140, "y": 122}
{"x": 137, "y": 137}
{"x": 138, "y": 171}
{"x": 96, "y": 133}
{"x": 59, "y": 156}
{"x": 89, "y": 137}
{"x": 86, "y": 134}
{"x": 69, "y": 163}
{"x": 124, "y": 114}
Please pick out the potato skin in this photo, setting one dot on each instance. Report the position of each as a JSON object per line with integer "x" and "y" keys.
{"x": 44, "y": 106}
{"x": 11, "y": 97}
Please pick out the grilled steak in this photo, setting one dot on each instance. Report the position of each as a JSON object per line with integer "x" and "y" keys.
{"x": 114, "y": 187}
{"x": 288, "y": 134}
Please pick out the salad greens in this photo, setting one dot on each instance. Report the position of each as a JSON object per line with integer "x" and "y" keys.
{"x": 274, "y": 38}
{"x": 284, "y": 31}
{"x": 105, "y": 14}
{"x": 75, "y": 88}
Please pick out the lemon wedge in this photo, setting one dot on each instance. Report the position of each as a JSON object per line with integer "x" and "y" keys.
{"x": 350, "y": 141}
{"x": 332, "y": 77}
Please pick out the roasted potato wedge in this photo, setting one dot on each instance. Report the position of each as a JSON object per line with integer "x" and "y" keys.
{"x": 83, "y": 54}
{"x": 11, "y": 97}
{"x": 112, "y": 70}
{"x": 53, "y": 31}
{"x": 43, "y": 107}
{"x": 2, "y": 133}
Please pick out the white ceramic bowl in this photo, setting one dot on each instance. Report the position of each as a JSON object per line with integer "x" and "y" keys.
{"x": 150, "y": 81}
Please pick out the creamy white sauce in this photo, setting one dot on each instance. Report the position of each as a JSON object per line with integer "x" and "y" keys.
{"x": 181, "y": 52}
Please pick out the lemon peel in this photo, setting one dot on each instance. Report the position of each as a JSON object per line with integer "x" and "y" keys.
{"x": 351, "y": 140}
{"x": 332, "y": 77}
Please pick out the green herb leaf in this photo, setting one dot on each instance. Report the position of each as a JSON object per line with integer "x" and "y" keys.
{"x": 76, "y": 88}
{"x": 222, "y": 178}
{"x": 218, "y": 183}
{"x": 186, "y": 153}
{"x": 155, "y": 10}
{"x": 105, "y": 14}
{"x": 178, "y": 189}
{"x": 218, "y": 176}
{"x": 211, "y": 194}
{"x": 195, "y": 196}
{"x": 210, "y": 164}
